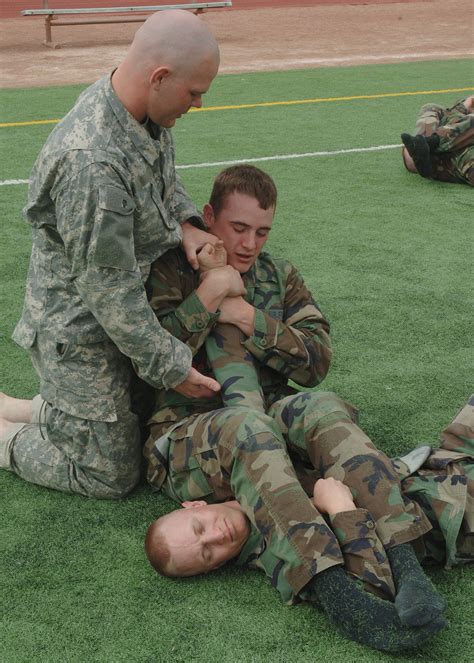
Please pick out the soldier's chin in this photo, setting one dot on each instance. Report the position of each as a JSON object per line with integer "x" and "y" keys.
{"x": 242, "y": 266}
{"x": 168, "y": 122}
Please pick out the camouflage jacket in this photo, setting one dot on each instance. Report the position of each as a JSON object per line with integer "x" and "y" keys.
{"x": 290, "y": 339}
{"x": 104, "y": 202}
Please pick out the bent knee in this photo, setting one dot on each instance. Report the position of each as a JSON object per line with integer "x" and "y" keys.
{"x": 325, "y": 408}
{"x": 238, "y": 416}
{"x": 242, "y": 426}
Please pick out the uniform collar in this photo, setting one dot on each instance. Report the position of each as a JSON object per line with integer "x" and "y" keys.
{"x": 140, "y": 134}
{"x": 252, "y": 548}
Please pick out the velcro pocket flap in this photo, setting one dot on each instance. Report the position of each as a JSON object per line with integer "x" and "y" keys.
{"x": 116, "y": 200}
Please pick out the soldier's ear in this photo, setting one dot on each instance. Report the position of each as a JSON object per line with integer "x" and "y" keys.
{"x": 208, "y": 214}
{"x": 157, "y": 76}
{"x": 193, "y": 504}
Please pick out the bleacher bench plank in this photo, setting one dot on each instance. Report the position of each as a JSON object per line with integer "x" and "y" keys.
{"x": 120, "y": 14}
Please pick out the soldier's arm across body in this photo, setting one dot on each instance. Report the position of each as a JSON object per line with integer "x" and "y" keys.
{"x": 295, "y": 341}
{"x": 95, "y": 219}
{"x": 185, "y": 303}
{"x": 232, "y": 365}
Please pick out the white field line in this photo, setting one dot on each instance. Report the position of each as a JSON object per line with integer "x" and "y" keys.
{"x": 276, "y": 157}
{"x": 352, "y": 59}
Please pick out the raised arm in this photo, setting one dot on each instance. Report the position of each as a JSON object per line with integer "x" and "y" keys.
{"x": 185, "y": 303}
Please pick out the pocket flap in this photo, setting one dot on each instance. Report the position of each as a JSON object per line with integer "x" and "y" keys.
{"x": 116, "y": 200}
{"x": 168, "y": 221}
{"x": 95, "y": 408}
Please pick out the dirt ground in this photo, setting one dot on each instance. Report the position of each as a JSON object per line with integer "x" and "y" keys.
{"x": 252, "y": 40}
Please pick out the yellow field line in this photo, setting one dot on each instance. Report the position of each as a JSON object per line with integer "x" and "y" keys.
{"x": 329, "y": 99}
{"x": 267, "y": 104}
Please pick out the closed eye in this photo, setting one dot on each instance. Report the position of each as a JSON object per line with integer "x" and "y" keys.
{"x": 206, "y": 555}
{"x": 197, "y": 527}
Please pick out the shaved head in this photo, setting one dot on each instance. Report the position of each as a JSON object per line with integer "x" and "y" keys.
{"x": 172, "y": 38}
{"x": 170, "y": 64}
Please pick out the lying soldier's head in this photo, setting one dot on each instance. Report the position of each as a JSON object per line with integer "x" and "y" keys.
{"x": 196, "y": 539}
{"x": 240, "y": 212}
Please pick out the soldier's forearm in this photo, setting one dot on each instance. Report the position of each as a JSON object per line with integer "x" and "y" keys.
{"x": 189, "y": 321}
{"x": 302, "y": 355}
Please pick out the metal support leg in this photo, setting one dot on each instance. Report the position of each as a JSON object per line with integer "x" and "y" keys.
{"x": 49, "y": 41}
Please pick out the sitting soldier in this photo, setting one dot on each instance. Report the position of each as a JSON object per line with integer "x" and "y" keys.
{"x": 203, "y": 450}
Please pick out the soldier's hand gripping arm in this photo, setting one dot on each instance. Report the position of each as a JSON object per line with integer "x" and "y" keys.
{"x": 185, "y": 211}
{"x": 185, "y": 305}
{"x": 195, "y": 239}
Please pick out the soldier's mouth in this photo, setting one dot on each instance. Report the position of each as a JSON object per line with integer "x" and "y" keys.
{"x": 229, "y": 531}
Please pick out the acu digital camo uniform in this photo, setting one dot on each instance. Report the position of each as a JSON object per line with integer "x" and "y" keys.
{"x": 206, "y": 451}
{"x": 104, "y": 202}
{"x": 453, "y": 160}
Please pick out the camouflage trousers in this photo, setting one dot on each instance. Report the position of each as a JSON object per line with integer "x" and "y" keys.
{"x": 444, "y": 488}
{"x": 456, "y": 128}
{"x": 84, "y": 438}
{"x": 241, "y": 453}
{"x": 234, "y": 368}
{"x": 455, "y": 154}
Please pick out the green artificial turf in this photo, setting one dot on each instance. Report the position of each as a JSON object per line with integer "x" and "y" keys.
{"x": 387, "y": 255}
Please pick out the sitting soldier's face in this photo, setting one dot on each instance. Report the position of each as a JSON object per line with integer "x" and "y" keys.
{"x": 201, "y": 537}
{"x": 243, "y": 226}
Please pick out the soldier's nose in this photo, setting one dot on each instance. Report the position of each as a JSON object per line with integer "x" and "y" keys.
{"x": 214, "y": 535}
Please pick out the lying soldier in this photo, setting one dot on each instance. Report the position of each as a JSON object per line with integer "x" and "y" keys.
{"x": 443, "y": 146}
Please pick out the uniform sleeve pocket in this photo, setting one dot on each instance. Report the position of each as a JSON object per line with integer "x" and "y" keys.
{"x": 114, "y": 246}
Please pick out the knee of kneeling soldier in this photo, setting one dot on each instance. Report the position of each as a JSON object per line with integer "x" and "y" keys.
{"x": 113, "y": 486}
{"x": 115, "y": 491}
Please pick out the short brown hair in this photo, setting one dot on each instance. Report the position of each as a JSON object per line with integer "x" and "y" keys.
{"x": 243, "y": 179}
{"x": 157, "y": 549}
